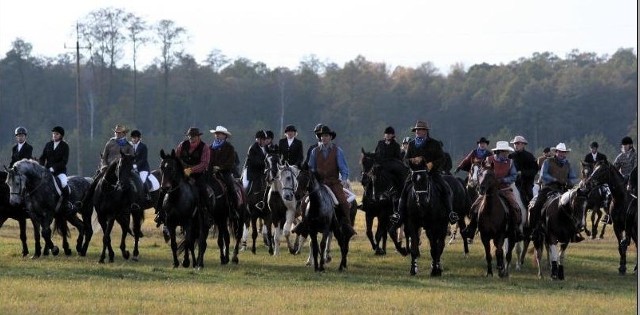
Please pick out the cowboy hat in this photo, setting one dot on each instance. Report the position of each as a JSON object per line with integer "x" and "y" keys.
{"x": 220, "y": 129}
{"x": 420, "y": 125}
{"x": 502, "y": 146}
{"x": 325, "y": 130}
{"x": 519, "y": 139}
{"x": 483, "y": 140}
{"x": 561, "y": 147}
{"x": 193, "y": 131}
{"x": 120, "y": 128}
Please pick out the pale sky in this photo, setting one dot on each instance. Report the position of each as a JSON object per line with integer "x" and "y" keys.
{"x": 399, "y": 33}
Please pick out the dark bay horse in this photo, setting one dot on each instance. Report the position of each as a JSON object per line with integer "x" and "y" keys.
{"x": 598, "y": 201}
{"x": 180, "y": 204}
{"x": 321, "y": 216}
{"x": 425, "y": 209}
{"x": 563, "y": 217}
{"x": 34, "y": 187}
{"x": 18, "y": 213}
{"x": 605, "y": 173}
{"x": 493, "y": 218}
{"x": 255, "y": 195}
{"x": 461, "y": 205}
{"x": 114, "y": 200}
{"x": 229, "y": 218}
{"x": 375, "y": 182}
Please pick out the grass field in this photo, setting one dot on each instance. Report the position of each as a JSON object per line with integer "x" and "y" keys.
{"x": 264, "y": 284}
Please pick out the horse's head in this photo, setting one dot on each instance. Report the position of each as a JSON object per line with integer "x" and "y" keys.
{"x": 17, "y": 185}
{"x": 472, "y": 177}
{"x": 604, "y": 173}
{"x": 586, "y": 169}
{"x": 271, "y": 165}
{"x": 171, "y": 168}
{"x": 574, "y": 204}
{"x": 124, "y": 169}
{"x": 487, "y": 182}
{"x": 287, "y": 181}
{"x": 304, "y": 179}
{"x": 367, "y": 160}
{"x": 421, "y": 182}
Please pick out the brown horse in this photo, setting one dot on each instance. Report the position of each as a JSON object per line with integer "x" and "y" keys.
{"x": 598, "y": 201}
{"x": 493, "y": 218}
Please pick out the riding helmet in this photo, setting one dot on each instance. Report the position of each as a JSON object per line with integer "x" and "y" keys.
{"x": 269, "y": 134}
{"x": 21, "y": 131}
{"x": 627, "y": 140}
{"x": 261, "y": 134}
{"x": 59, "y": 130}
{"x": 136, "y": 134}
{"x": 290, "y": 128}
{"x": 389, "y": 131}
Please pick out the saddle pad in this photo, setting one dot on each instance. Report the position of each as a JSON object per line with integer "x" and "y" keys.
{"x": 335, "y": 200}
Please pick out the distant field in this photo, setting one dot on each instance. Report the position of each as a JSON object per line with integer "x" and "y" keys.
{"x": 265, "y": 284}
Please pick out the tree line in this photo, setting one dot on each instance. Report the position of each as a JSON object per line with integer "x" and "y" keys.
{"x": 577, "y": 99}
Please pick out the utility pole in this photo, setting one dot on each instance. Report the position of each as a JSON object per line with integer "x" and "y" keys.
{"x": 78, "y": 117}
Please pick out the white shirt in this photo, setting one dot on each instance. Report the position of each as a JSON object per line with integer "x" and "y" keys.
{"x": 55, "y": 144}
{"x": 20, "y": 146}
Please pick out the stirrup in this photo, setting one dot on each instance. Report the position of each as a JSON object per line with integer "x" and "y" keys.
{"x": 260, "y": 205}
{"x": 453, "y": 217}
{"x": 394, "y": 219}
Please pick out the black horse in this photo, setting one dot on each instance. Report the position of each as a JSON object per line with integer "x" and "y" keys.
{"x": 180, "y": 205}
{"x": 18, "y": 213}
{"x": 461, "y": 205}
{"x": 493, "y": 218}
{"x": 321, "y": 217}
{"x": 378, "y": 204}
{"x": 598, "y": 201}
{"x": 115, "y": 200}
{"x": 34, "y": 187}
{"x": 229, "y": 218}
{"x": 255, "y": 195}
{"x": 425, "y": 209}
{"x": 605, "y": 173}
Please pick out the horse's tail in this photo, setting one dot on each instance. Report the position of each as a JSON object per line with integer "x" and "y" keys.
{"x": 60, "y": 225}
{"x": 236, "y": 223}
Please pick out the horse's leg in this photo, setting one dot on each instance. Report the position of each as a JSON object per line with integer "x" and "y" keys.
{"x": 276, "y": 239}
{"x": 290, "y": 215}
{"x": 412, "y": 232}
{"x": 563, "y": 250}
{"x": 618, "y": 228}
{"x": 88, "y": 230}
{"x": 268, "y": 223}
{"x": 124, "y": 225}
{"x": 65, "y": 242}
{"x": 343, "y": 242}
{"x": 245, "y": 235}
{"x": 508, "y": 256}
{"x": 254, "y": 233}
{"x": 174, "y": 245}
{"x": 314, "y": 250}
{"x": 22, "y": 222}
{"x": 46, "y": 234}
{"x": 368, "y": 221}
{"x": 537, "y": 245}
{"x": 486, "y": 243}
{"x": 137, "y": 217}
{"x": 465, "y": 243}
{"x": 499, "y": 244}
{"x": 36, "y": 239}
{"x": 554, "y": 259}
{"x": 79, "y": 225}
{"x": 188, "y": 245}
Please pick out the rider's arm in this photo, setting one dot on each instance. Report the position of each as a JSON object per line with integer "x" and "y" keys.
{"x": 513, "y": 174}
{"x": 204, "y": 161}
{"x": 343, "y": 168}
{"x": 312, "y": 159}
{"x": 546, "y": 177}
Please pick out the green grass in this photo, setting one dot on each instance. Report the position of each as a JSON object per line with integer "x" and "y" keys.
{"x": 272, "y": 285}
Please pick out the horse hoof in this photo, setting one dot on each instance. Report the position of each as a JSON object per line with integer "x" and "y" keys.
{"x": 622, "y": 271}
{"x": 186, "y": 264}
{"x": 101, "y": 261}
{"x": 413, "y": 271}
{"x": 328, "y": 259}
{"x": 55, "y": 251}
{"x": 235, "y": 260}
{"x": 67, "y": 251}
{"x": 135, "y": 258}
{"x": 126, "y": 255}
{"x": 380, "y": 252}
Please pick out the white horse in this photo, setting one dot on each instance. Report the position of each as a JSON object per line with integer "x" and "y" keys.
{"x": 282, "y": 203}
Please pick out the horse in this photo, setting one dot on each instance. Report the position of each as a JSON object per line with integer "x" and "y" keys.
{"x": 375, "y": 182}
{"x": 493, "y": 219}
{"x": 425, "y": 209}
{"x": 227, "y": 216}
{"x": 35, "y": 188}
{"x": 598, "y": 201}
{"x": 321, "y": 217}
{"x": 115, "y": 200}
{"x": 605, "y": 173}
{"x": 282, "y": 202}
{"x": 18, "y": 213}
{"x": 461, "y": 205}
{"x": 255, "y": 196}
{"x": 180, "y": 204}
{"x": 563, "y": 217}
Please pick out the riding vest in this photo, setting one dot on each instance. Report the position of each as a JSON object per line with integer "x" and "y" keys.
{"x": 191, "y": 158}
{"x": 559, "y": 171}
{"x": 327, "y": 167}
{"x": 501, "y": 170}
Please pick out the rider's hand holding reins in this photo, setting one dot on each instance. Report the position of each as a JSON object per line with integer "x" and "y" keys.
{"x": 187, "y": 171}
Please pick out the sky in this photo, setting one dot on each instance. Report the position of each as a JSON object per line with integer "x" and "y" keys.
{"x": 399, "y": 33}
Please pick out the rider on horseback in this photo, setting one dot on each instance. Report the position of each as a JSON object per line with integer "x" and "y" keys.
{"x": 557, "y": 176}
{"x": 222, "y": 161}
{"x": 141, "y": 165}
{"x": 55, "y": 156}
{"x": 21, "y": 150}
{"x": 387, "y": 154}
{"x": 505, "y": 173}
{"x": 476, "y": 155}
{"x": 255, "y": 165}
{"x": 291, "y": 147}
{"x": 424, "y": 152}
{"x": 328, "y": 161}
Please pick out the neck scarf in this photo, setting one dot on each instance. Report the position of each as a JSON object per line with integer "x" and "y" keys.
{"x": 419, "y": 141}
{"x": 122, "y": 142}
{"x": 217, "y": 144}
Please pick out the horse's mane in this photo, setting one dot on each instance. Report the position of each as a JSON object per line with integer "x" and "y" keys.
{"x": 29, "y": 168}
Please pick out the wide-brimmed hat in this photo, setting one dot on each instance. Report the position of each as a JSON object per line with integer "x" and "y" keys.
{"x": 193, "y": 131}
{"x": 626, "y": 140}
{"x": 325, "y": 130}
{"x": 220, "y": 129}
{"x": 120, "y": 128}
{"x": 519, "y": 139}
{"x": 290, "y": 128}
{"x": 561, "y": 147}
{"x": 483, "y": 140}
{"x": 317, "y": 128}
{"x": 420, "y": 125}
{"x": 502, "y": 146}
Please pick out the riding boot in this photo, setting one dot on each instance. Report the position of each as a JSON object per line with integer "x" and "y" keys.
{"x": 66, "y": 193}
{"x": 347, "y": 229}
{"x": 397, "y": 217}
{"x": 470, "y": 231}
{"x": 159, "y": 219}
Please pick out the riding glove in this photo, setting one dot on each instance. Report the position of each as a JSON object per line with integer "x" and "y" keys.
{"x": 187, "y": 171}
